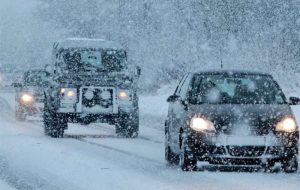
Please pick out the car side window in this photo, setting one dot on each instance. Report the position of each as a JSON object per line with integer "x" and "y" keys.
{"x": 185, "y": 86}
{"x": 177, "y": 91}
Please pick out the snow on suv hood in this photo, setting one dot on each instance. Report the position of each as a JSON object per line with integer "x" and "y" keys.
{"x": 99, "y": 79}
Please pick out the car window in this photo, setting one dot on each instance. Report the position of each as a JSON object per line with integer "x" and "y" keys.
{"x": 177, "y": 90}
{"x": 184, "y": 88}
{"x": 238, "y": 89}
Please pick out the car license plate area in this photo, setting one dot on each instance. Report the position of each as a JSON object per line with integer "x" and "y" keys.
{"x": 246, "y": 140}
{"x": 246, "y": 151}
{"x": 246, "y": 146}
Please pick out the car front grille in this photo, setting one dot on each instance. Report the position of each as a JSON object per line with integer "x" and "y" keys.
{"x": 97, "y": 100}
{"x": 246, "y": 151}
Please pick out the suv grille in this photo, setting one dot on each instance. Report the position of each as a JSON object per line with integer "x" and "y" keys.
{"x": 97, "y": 100}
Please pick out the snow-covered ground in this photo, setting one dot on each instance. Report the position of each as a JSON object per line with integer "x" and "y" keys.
{"x": 5, "y": 186}
{"x": 92, "y": 157}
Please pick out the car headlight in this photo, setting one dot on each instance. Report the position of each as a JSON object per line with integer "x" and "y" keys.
{"x": 201, "y": 124}
{"x": 287, "y": 125}
{"x": 27, "y": 98}
{"x": 124, "y": 95}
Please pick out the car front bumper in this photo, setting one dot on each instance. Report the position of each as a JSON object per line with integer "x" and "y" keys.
{"x": 253, "y": 151}
{"x": 31, "y": 109}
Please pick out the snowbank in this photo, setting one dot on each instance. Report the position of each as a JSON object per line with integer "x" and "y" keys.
{"x": 5, "y": 186}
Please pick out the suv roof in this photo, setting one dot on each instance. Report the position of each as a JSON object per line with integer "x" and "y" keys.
{"x": 86, "y": 43}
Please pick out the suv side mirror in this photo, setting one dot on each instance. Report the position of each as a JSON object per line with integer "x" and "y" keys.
{"x": 48, "y": 69}
{"x": 138, "y": 71}
{"x": 294, "y": 101}
{"x": 173, "y": 98}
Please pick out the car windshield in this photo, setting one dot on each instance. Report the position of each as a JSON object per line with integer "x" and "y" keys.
{"x": 235, "y": 89}
{"x": 92, "y": 59}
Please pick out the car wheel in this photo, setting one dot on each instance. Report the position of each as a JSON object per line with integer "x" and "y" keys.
{"x": 290, "y": 164}
{"x": 171, "y": 157}
{"x": 128, "y": 126}
{"x": 20, "y": 115}
{"x": 54, "y": 124}
{"x": 188, "y": 162}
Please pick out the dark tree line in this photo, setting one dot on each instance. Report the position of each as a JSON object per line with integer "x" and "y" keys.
{"x": 170, "y": 37}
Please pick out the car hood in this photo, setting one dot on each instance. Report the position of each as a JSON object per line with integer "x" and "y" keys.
{"x": 242, "y": 119}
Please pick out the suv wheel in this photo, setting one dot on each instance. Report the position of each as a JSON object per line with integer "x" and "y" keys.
{"x": 54, "y": 124}
{"x": 128, "y": 126}
{"x": 290, "y": 164}
{"x": 269, "y": 166}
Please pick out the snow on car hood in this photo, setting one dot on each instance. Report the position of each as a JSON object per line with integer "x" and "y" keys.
{"x": 245, "y": 119}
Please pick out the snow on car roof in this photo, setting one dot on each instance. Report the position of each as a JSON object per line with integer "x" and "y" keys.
{"x": 233, "y": 72}
{"x": 86, "y": 43}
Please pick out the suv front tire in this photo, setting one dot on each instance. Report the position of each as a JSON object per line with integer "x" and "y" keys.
{"x": 54, "y": 123}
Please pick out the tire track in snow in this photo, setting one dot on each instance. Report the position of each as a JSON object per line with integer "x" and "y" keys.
{"x": 116, "y": 150}
{"x": 22, "y": 180}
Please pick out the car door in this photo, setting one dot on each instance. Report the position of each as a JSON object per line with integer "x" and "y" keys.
{"x": 176, "y": 110}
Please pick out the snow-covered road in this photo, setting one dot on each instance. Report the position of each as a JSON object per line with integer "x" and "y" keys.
{"x": 93, "y": 158}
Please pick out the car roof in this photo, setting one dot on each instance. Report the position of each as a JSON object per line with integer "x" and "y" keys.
{"x": 86, "y": 43}
{"x": 233, "y": 72}
{"x": 35, "y": 71}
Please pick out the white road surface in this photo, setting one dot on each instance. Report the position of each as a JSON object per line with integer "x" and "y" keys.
{"x": 92, "y": 157}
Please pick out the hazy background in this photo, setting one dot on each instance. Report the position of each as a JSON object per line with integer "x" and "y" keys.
{"x": 167, "y": 38}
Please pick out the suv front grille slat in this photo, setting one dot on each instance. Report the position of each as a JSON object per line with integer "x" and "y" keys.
{"x": 97, "y": 100}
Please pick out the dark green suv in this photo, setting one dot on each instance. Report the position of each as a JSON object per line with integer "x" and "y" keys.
{"x": 91, "y": 82}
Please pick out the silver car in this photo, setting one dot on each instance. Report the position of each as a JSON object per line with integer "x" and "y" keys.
{"x": 231, "y": 118}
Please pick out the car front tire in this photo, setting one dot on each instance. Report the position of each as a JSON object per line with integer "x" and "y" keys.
{"x": 187, "y": 161}
{"x": 20, "y": 115}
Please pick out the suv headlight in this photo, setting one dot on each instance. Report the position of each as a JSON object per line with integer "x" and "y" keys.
{"x": 69, "y": 92}
{"x": 288, "y": 125}
{"x": 68, "y": 95}
{"x": 202, "y": 125}
{"x": 124, "y": 95}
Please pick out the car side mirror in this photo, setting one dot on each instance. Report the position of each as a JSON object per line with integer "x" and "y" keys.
{"x": 173, "y": 98}
{"x": 138, "y": 71}
{"x": 16, "y": 85}
{"x": 294, "y": 101}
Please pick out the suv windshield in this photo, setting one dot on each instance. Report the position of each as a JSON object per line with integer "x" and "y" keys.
{"x": 92, "y": 59}
{"x": 235, "y": 89}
